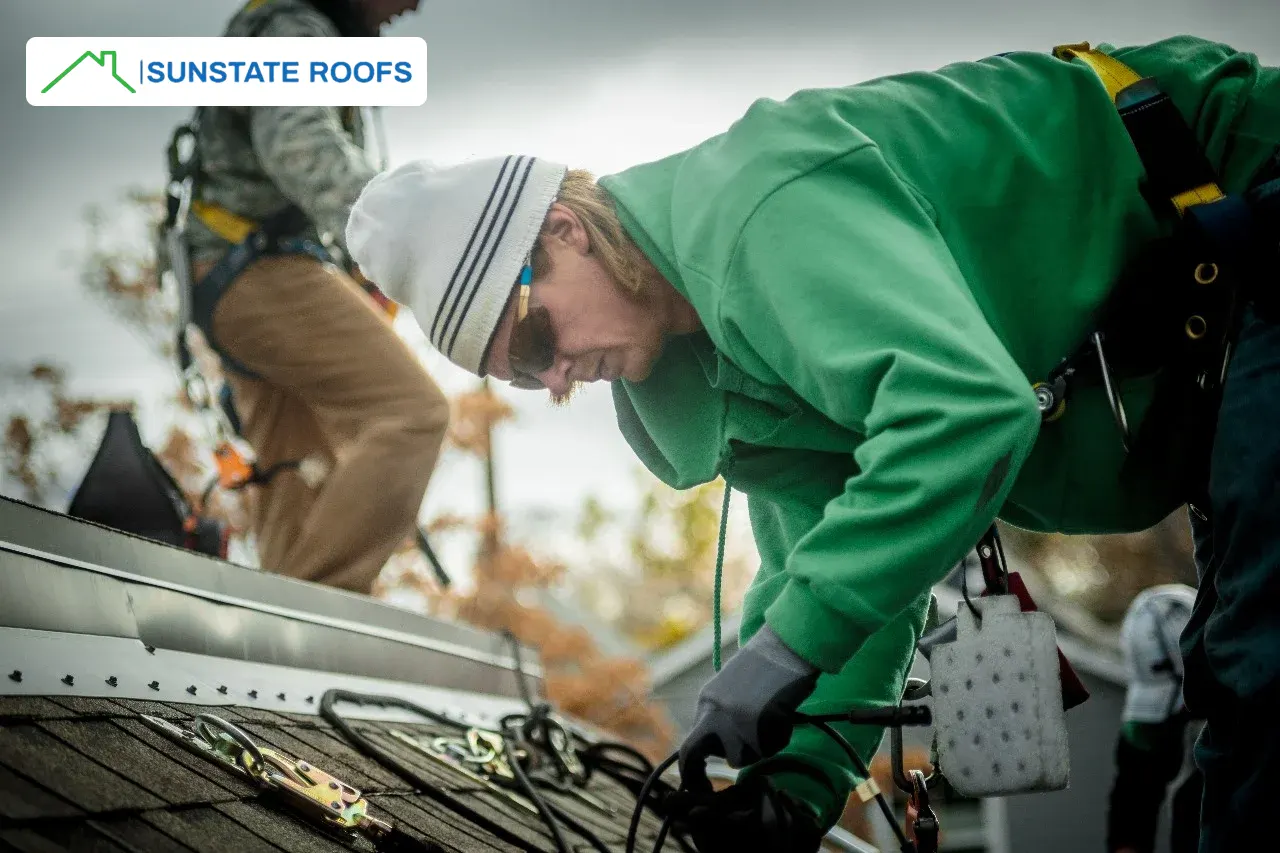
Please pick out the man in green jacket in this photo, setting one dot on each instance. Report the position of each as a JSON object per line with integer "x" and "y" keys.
{"x": 841, "y": 305}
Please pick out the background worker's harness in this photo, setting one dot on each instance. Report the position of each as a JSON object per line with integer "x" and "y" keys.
{"x": 1176, "y": 312}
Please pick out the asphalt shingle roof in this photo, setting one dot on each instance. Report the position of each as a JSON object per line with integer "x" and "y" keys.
{"x": 87, "y": 774}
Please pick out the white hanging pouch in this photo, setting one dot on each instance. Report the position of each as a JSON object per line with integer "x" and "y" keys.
{"x": 997, "y": 702}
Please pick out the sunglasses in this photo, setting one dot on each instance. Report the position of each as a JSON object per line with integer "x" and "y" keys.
{"x": 532, "y": 348}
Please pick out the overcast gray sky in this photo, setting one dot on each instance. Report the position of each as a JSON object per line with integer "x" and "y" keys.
{"x": 598, "y": 84}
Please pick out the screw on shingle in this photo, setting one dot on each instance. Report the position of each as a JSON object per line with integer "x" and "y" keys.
{"x": 112, "y": 680}
{"x": 192, "y": 690}
{"x": 155, "y": 685}
{"x": 68, "y": 680}
{"x": 151, "y": 650}
{"x": 16, "y": 675}
{"x": 223, "y": 690}
{"x": 253, "y": 694}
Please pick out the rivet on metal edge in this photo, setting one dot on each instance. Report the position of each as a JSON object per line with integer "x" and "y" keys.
{"x": 192, "y": 690}
{"x": 155, "y": 685}
{"x": 310, "y": 699}
{"x": 151, "y": 650}
{"x": 68, "y": 680}
{"x": 253, "y": 694}
{"x": 112, "y": 680}
{"x": 333, "y": 785}
{"x": 280, "y": 696}
{"x": 335, "y": 806}
{"x": 16, "y": 675}
{"x": 304, "y": 766}
{"x": 223, "y": 690}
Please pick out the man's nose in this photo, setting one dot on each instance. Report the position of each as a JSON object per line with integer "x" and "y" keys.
{"x": 556, "y": 378}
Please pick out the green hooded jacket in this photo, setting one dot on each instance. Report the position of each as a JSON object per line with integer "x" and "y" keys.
{"x": 882, "y": 271}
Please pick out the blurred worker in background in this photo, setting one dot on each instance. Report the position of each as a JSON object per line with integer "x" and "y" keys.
{"x": 334, "y": 404}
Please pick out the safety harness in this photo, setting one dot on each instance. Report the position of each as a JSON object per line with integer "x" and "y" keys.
{"x": 1174, "y": 315}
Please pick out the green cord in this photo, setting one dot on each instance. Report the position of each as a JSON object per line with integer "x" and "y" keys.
{"x": 715, "y": 595}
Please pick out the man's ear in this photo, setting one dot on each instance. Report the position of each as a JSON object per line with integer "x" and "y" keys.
{"x": 564, "y": 226}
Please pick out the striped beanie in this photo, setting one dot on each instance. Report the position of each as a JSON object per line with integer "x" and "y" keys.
{"x": 449, "y": 242}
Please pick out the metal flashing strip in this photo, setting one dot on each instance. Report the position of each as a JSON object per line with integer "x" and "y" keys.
{"x": 48, "y": 531}
{"x": 49, "y": 663}
{"x": 444, "y": 646}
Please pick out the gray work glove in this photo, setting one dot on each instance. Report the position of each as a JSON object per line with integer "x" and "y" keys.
{"x": 745, "y": 712}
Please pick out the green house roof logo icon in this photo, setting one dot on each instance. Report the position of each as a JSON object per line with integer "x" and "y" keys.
{"x": 100, "y": 58}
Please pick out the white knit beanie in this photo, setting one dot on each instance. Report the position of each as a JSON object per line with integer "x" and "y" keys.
{"x": 449, "y": 242}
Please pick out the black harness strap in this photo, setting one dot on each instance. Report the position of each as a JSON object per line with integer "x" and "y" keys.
{"x": 276, "y": 236}
{"x": 1171, "y": 156}
{"x": 1175, "y": 312}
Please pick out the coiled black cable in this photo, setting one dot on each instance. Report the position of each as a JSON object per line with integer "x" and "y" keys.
{"x": 535, "y": 727}
{"x": 893, "y": 716}
{"x": 549, "y": 812}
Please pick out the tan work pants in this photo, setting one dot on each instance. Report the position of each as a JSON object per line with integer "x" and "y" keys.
{"x": 338, "y": 384}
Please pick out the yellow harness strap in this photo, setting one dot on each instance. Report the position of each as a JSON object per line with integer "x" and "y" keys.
{"x": 1116, "y": 77}
{"x": 231, "y": 227}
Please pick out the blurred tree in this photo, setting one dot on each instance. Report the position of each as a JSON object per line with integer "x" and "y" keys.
{"x": 46, "y": 427}
{"x": 119, "y": 268}
{"x": 657, "y": 588}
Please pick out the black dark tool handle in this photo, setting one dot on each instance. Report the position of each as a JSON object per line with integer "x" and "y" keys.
{"x": 425, "y": 547}
{"x": 892, "y": 716}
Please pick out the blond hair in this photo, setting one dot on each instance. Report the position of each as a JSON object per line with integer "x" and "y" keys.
{"x": 608, "y": 241}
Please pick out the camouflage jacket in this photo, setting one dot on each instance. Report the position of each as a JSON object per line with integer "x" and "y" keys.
{"x": 257, "y": 160}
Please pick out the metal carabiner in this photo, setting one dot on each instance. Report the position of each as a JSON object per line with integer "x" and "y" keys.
{"x": 922, "y": 824}
{"x": 224, "y": 732}
{"x": 915, "y": 688}
{"x": 1113, "y": 393}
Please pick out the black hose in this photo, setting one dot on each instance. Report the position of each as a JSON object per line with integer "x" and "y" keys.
{"x": 661, "y": 840}
{"x": 522, "y": 678}
{"x": 861, "y": 767}
{"x": 644, "y": 795}
{"x": 547, "y": 817}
